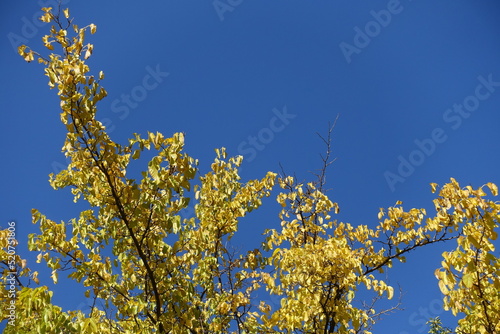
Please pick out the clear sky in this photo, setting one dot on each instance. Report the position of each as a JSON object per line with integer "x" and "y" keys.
{"x": 416, "y": 85}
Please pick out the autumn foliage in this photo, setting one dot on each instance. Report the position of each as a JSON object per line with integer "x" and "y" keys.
{"x": 157, "y": 272}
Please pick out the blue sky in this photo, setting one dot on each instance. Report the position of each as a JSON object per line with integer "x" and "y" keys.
{"x": 416, "y": 85}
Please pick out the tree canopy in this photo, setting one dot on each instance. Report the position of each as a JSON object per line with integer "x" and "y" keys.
{"x": 157, "y": 272}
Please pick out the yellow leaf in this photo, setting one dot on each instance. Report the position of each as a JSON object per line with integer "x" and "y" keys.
{"x": 46, "y": 17}
{"x": 493, "y": 188}
{"x": 88, "y": 53}
{"x": 390, "y": 292}
{"x": 21, "y": 49}
{"x": 54, "y": 276}
{"x": 438, "y": 273}
{"x": 35, "y": 277}
{"x": 29, "y": 56}
{"x": 136, "y": 154}
{"x": 468, "y": 280}
{"x": 93, "y": 28}
{"x": 443, "y": 288}
{"x": 66, "y": 13}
